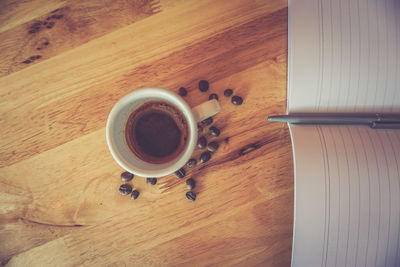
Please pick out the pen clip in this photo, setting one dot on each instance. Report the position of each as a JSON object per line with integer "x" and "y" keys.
{"x": 385, "y": 125}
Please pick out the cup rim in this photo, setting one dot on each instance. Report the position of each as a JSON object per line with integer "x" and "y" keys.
{"x": 148, "y": 93}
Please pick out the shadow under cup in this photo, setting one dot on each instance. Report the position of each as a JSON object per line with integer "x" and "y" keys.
{"x": 116, "y": 133}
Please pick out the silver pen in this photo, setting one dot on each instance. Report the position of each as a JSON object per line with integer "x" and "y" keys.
{"x": 374, "y": 120}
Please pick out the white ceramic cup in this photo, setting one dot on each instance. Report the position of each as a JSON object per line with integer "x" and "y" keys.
{"x": 116, "y": 123}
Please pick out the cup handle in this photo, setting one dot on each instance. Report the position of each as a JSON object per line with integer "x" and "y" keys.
{"x": 206, "y": 110}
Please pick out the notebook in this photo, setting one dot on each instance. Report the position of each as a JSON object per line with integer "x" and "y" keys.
{"x": 344, "y": 56}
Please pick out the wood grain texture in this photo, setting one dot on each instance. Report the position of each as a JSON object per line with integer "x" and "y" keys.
{"x": 71, "y": 24}
{"x": 59, "y": 203}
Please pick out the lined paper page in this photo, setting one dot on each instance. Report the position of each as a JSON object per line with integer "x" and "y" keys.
{"x": 347, "y": 196}
{"x": 344, "y": 56}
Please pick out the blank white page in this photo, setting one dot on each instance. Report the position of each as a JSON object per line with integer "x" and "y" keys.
{"x": 347, "y": 196}
{"x": 344, "y": 56}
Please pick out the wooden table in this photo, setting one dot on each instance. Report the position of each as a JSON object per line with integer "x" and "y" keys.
{"x": 65, "y": 63}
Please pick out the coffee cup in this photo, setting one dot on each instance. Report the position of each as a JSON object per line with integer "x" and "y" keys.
{"x": 152, "y": 132}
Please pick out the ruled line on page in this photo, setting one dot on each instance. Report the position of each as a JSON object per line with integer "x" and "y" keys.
{"x": 397, "y": 177}
{"x": 326, "y": 192}
{"x": 349, "y": 190}
{"x": 372, "y": 144}
{"x": 390, "y": 193}
{"x": 356, "y": 55}
{"x": 359, "y": 193}
{"x": 357, "y": 184}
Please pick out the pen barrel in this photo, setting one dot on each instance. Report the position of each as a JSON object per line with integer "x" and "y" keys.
{"x": 322, "y": 118}
{"x": 332, "y": 120}
{"x": 385, "y": 125}
{"x": 390, "y": 118}
{"x": 340, "y": 118}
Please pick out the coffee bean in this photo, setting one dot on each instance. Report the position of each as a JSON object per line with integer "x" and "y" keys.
{"x": 214, "y": 131}
{"x": 125, "y": 189}
{"x": 180, "y": 173}
{"x": 207, "y": 121}
{"x": 151, "y": 181}
{"x": 237, "y": 100}
{"x": 203, "y": 85}
{"x": 190, "y": 183}
{"x": 135, "y": 194}
{"x": 199, "y": 129}
{"x": 228, "y": 92}
{"x": 205, "y": 156}
{"x": 213, "y": 146}
{"x": 191, "y": 196}
{"x": 126, "y": 176}
{"x": 191, "y": 163}
{"x": 213, "y": 96}
{"x": 182, "y": 91}
{"x": 202, "y": 142}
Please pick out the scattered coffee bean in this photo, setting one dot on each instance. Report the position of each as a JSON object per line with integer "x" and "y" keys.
{"x": 214, "y": 131}
{"x": 237, "y": 100}
{"x": 190, "y": 183}
{"x": 207, "y": 121}
{"x": 191, "y": 196}
{"x": 205, "y": 156}
{"x": 180, "y": 173}
{"x": 202, "y": 142}
{"x": 191, "y": 163}
{"x": 199, "y": 129}
{"x": 213, "y": 96}
{"x": 228, "y": 92}
{"x": 203, "y": 85}
{"x": 125, "y": 189}
{"x": 151, "y": 181}
{"x": 126, "y": 176}
{"x": 135, "y": 194}
{"x": 213, "y": 146}
{"x": 182, "y": 91}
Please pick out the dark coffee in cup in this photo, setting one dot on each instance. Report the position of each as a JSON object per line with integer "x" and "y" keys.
{"x": 156, "y": 132}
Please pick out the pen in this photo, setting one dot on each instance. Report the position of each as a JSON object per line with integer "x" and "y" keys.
{"x": 374, "y": 120}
